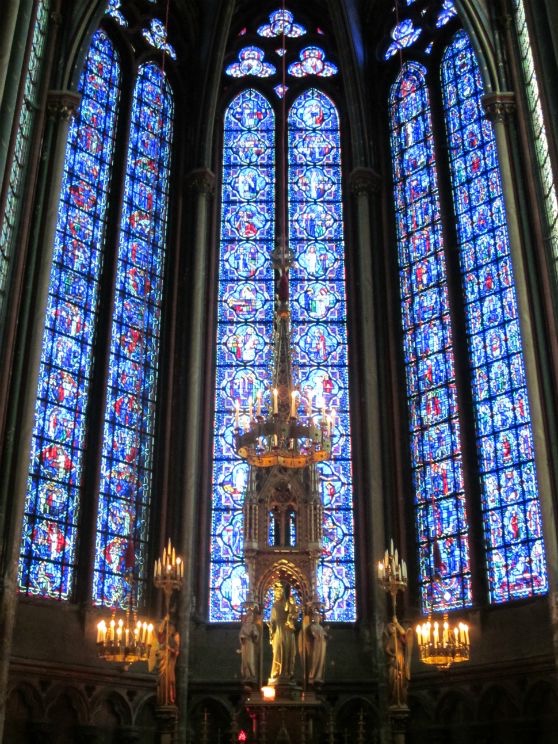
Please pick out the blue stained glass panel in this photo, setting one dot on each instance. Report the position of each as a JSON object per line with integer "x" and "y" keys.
{"x": 510, "y": 505}
{"x": 319, "y": 324}
{"x": 128, "y": 437}
{"x": 244, "y": 328}
{"x": 52, "y": 502}
{"x": 444, "y": 569}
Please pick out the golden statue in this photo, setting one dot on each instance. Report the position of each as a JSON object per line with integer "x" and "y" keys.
{"x": 167, "y": 654}
{"x": 284, "y": 614}
{"x": 398, "y": 644}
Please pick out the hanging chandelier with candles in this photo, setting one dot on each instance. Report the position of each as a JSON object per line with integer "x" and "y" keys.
{"x": 444, "y": 643}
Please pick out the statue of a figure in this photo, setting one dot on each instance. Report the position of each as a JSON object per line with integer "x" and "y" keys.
{"x": 284, "y": 614}
{"x": 398, "y": 644}
{"x": 316, "y": 636}
{"x": 169, "y": 649}
{"x": 249, "y": 637}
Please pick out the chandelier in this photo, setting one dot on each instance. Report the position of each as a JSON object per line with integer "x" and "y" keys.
{"x": 442, "y": 644}
{"x": 125, "y": 639}
{"x": 285, "y": 435}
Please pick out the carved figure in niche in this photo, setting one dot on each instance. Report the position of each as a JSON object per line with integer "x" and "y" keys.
{"x": 398, "y": 644}
{"x": 249, "y": 639}
{"x": 169, "y": 649}
{"x": 284, "y": 613}
{"x": 315, "y": 647}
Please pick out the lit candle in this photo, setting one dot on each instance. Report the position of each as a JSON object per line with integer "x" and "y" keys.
{"x": 467, "y": 634}
{"x": 275, "y": 400}
{"x": 419, "y": 635}
{"x": 404, "y": 570}
{"x": 293, "y": 404}
{"x": 100, "y": 628}
{"x": 436, "y": 636}
{"x": 149, "y": 634}
{"x": 445, "y": 636}
{"x": 380, "y": 570}
{"x": 391, "y": 547}
{"x": 111, "y": 630}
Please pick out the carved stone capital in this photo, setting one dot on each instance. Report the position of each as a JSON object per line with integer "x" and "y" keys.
{"x": 201, "y": 180}
{"x": 498, "y": 106}
{"x": 62, "y": 104}
{"x": 364, "y": 181}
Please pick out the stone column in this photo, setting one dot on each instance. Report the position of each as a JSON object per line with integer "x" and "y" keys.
{"x": 499, "y": 108}
{"x": 61, "y": 105}
{"x": 202, "y": 184}
{"x": 365, "y": 186}
{"x": 398, "y": 718}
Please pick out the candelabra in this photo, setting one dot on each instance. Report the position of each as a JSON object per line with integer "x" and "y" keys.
{"x": 443, "y": 644}
{"x": 392, "y": 574}
{"x": 291, "y": 440}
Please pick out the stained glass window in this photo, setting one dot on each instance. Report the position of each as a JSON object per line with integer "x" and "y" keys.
{"x": 319, "y": 324}
{"x": 444, "y": 570}
{"x": 404, "y": 35}
{"x": 23, "y": 135}
{"x": 52, "y": 502}
{"x": 250, "y": 62}
{"x": 247, "y": 305}
{"x": 244, "y": 332}
{"x": 505, "y": 464}
{"x": 281, "y": 22}
{"x": 510, "y": 505}
{"x": 447, "y": 12}
{"x": 540, "y": 138}
{"x": 156, "y": 35}
{"x": 128, "y": 439}
{"x": 114, "y": 10}
{"x": 312, "y": 62}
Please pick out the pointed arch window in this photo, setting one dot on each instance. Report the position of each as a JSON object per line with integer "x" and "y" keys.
{"x": 86, "y": 257}
{"x": 11, "y": 195}
{"x": 502, "y": 484}
{"x": 310, "y": 123}
{"x": 538, "y": 129}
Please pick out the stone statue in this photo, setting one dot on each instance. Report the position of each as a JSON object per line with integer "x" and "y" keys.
{"x": 284, "y": 614}
{"x": 169, "y": 649}
{"x": 249, "y": 638}
{"x": 398, "y": 644}
{"x": 316, "y": 636}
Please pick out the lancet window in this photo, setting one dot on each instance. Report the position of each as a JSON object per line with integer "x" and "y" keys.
{"x": 278, "y": 140}
{"x": 102, "y": 339}
{"x": 501, "y": 488}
